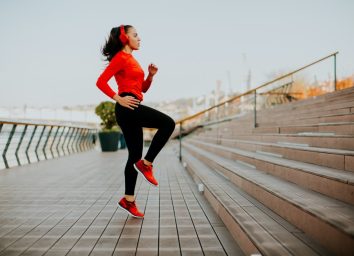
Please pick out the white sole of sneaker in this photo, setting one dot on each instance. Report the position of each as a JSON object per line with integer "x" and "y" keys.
{"x": 138, "y": 217}
{"x": 144, "y": 176}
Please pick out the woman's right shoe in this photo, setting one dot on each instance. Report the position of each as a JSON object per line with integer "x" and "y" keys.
{"x": 146, "y": 171}
{"x": 130, "y": 208}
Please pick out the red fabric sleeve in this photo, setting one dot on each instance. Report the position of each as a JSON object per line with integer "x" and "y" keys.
{"x": 113, "y": 67}
{"x": 146, "y": 85}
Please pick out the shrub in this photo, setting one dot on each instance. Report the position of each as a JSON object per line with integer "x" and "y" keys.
{"x": 106, "y": 111}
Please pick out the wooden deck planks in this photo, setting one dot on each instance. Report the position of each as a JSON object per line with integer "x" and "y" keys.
{"x": 68, "y": 206}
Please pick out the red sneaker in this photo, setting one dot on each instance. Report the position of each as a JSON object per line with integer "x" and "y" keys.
{"x": 130, "y": 207}
{"x": 146, "y": 171}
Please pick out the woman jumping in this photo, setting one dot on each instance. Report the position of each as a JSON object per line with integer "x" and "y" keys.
{"x": 132, "y": 116}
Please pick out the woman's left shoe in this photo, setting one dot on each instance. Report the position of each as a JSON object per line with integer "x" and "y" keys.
{"x": 146, "y": 171}
{"x": 130, "y": 207}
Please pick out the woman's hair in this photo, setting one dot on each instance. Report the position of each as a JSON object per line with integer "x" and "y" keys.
{"x": 113, "y": 45}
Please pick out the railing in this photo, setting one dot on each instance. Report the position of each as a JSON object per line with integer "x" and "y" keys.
{"x": 286, "y": 88}
{"x": 24, "y": 143}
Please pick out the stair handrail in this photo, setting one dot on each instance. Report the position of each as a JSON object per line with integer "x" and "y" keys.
{"x": 254, "y": 91}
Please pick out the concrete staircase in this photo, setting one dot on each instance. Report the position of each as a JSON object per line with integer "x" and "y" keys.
{"x": 287, "y": 186}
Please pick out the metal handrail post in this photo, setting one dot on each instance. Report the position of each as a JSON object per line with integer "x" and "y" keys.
{"x": 46, "y": 142}
{"x": 78, "y": 142}
{"x": 39, "y": 141}
{"x": 29, "y": 143}
{"x": 85, "y": 139}
{"x": 335, "y": 72}
{"x": 218, "y": 141}
{"x": 59, "y": 141}
{"x": 55, "y": 136}
{"x": 88, "y": 140}
{"x": 180, "y": 142}
{"x": 8, "y": 145}
{"x": 255, "y": 109}
{"x": 73, "y": 144}
{"x": 74, "y": 140}
{"x": 19, "y": 145}
{"x": 66, "y": 136}
{"x": 82, "y": 142}
{"x": 1, "y": 127}
{"x": 70, "y": 139}
{"x": 80, "y": 139}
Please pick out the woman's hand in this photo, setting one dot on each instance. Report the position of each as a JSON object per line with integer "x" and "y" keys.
{"x": 127, "y": 101}
{"x": 152, "y": 69}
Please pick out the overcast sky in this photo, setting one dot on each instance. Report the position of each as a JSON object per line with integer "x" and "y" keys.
{"x": 50, "y": 50}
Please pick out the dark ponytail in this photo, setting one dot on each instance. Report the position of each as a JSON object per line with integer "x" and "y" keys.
{"x": 113, "y": 45}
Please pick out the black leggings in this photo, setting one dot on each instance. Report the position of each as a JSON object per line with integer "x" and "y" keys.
{"x": 132, "y": 122}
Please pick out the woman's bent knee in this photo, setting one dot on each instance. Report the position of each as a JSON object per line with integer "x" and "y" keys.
{"x": 171, "y": 124}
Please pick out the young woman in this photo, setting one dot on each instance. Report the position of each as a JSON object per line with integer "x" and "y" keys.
{"x": 131, "y": 115}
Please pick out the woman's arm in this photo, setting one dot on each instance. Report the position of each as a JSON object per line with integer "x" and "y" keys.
{"x": 152, "y": 71}
{"x": 113, "y": 67}
{"x": 147, "y": 83}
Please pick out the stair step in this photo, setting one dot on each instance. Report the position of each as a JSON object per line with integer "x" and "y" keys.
{"x": 293, "y": 144}
{"x": 319, "y": 134}
{"x": 315, "y": 214}
{"x": 338, "y": 128}
{"x": 345, "y": 128}
{"x": 283, "y": 144}
{"x": 246, "y": 164}
{"x": 305, "y": 114}
{"x": 268, "y": 153}
{"x": 324, "y": 101}
{"x": 332, "y": 182}
{"x": 255, "y": 227}
{"x": 344, "y": 142}
{"x": 321, "y": 108}
{"x": 307, "y": 120}
{"x": 327, "y": 157}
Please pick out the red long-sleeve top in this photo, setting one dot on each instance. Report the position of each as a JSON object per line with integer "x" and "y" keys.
{"x": 128, "y": 74}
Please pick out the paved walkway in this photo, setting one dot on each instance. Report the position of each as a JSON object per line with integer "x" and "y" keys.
{"x": 68, "y": 206}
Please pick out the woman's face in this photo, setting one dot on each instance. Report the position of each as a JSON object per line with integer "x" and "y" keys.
{"x": 134, "y": 39}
